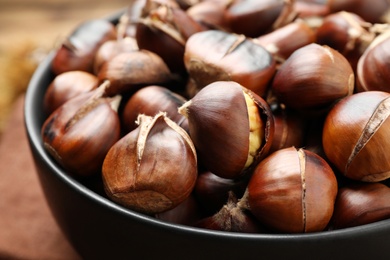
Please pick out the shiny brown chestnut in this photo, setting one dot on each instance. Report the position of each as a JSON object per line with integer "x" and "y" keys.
{"x": 283, "y": 41}
{"x": 253, "y": 18}
{"x": 66, "y": 86}
{"x": 153, "y": 168}
{"x": 347, "y": 33}
{"x": 373, "y": 66}
{"x": 231, "y": 127}
{"x": 361, "y": 203}
{"x": 290, "y": 129}
{"x": 111, "y": 48}
{"x": 170, "y": 27}
{"x": 313, "y": 78}
{"x": 150, "y": 101}
{"x": 80, "y": 132}
{"x": 129, "y": 71}
{"x": 77, "y": 52}
{"x": 292, "y": 191}
{"x": 210, "y": 14}
{"x": 215, "y": 55}
{"x": 355, "y": 136}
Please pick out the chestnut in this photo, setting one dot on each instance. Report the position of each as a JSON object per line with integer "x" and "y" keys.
{"x": 111, "y": 48}
{"x": 347, "y": 33}
{"x": 289, "y": 129}
{"x": 129, "y": 71}
{"x": 149, "y": 101}
{"x": 215, "y": 55}
{"x": 164, "y": 30}
{"x": 77, "y": 52}
{"x": 253, "y": 18}
{"x": 313, "y": 78}
{"x": 210, "y": 14}
{"x": 373, "y": 66}
{"x": 153, "y": 168}
{"x": 231, "y": 127}
{"x": 355, "y": 136}
{"x": 80, "y": 132}
{"x": 66, "y": 86}
{"x": 292, "y": 191}
{"x": 361, "y": 203}
{"x": 233, "y": 218}
{"x": 283, "y": 41}
{"x": 212, "y": 191}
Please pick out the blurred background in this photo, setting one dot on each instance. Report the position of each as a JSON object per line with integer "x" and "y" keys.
{"x": 29, "y": 29}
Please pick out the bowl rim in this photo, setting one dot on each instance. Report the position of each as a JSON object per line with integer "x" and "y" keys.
{"x": 32, "y": 128}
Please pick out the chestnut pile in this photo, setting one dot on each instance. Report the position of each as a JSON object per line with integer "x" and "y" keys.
{"x": 235, "y": 115}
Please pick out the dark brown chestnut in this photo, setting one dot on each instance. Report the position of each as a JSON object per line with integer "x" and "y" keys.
{"x": 80, "y": 132}
{"x": 153, "y": 168}
{"x": 231, "y": 217}
{"x": 361, "y": 203}
{"x": 283, "y": 41}
{"x": 164, "y": 30}
{"x": 292, "y": 191}
{"x": 150, "y": 101}
{"x": 66, "y": 86}
{"x": 77, "y": 52}
{"x": 111, "y": 48}
{"x": 373, "y": 66}
{"x": 347, "y": 33}
{"x": 129, "y": 71}
{"x": 231, "y": 127}
{"x": 355, "y": 136}
{"x": 253, "y": 18}
{"x": 215, "y": 55}
{"x": 313, "y": 78}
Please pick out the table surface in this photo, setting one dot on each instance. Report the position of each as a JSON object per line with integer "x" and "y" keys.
{"x": 28, "y": 230}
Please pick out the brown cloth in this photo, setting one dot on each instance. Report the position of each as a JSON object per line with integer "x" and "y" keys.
{"x": 27, "y": 228}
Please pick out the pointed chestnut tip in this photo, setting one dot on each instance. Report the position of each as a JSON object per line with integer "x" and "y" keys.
{"x": 183, "y": 110}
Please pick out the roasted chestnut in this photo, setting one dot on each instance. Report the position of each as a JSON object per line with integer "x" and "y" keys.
{"x": 231, "y": 127}
{"x": 215, "y": 55}
{"x": 293, "y": 191}
{"x": 313, "y": 78}
{"x": 153, "y": 168}
{"x": 355, "y": 136}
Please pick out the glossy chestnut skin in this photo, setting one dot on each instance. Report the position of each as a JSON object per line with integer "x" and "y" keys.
{"x": 110, "y": 49}
{"x": 129, "y": 71}
{"x": 215, "y": 55}
{"x": 81, "y": 131}
{"x": 373, "y": 65}
{"x": 313, "y": 78}
{"x": 78, "y": 50}
{"x": 361, "y": 203}
{"x": 283, "y": 41}
{"x": 347, "y": 33}
{"x": 355, "y": 136}
{"x": 293, "y": 191}
{"x": 136, "y": 172}
{"x": 260, "y": 15}
{"x": 149, "y": 101}
{"x": 66, "y": 86}
{"x": 219, "y": 120}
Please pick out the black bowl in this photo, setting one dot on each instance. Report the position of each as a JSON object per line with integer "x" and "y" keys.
{"x": 100, "y": 229}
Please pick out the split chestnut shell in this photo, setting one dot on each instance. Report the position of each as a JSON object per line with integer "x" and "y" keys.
{"x": 231, "y": 127}
{"x": 356, "y": 136}
{"x": 153, "y": 168}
